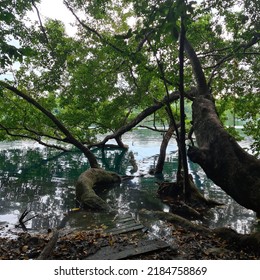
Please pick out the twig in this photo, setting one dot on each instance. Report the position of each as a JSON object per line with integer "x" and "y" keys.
{"x": 31, "y": 218}
{"x": 21, "y": 222}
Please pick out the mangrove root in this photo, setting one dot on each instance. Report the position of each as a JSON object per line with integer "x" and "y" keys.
{"x": 93, "y": 180}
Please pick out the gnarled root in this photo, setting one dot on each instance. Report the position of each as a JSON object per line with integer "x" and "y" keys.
{"x": 91, "y": 180}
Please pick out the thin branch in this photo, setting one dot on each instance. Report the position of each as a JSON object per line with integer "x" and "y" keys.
{"x": 41, "y": 134}
{"x": 214, "y": 51}
{"x": 209, "y": 55}
{"x": 21, "y": 219}
{"x": 113, "y": 46}
{"x": 244, "y": 47}
{"x": 239, "y": 53}
{"x": 7, "y": 130}
{"x": 144, "y": 40}
{"x": 37, "y": 139}
{"x": 168, "y": 107}
{"x": 40, "y": 21}
{"x": 70, "y": 138}
{"x": 134, "y": 78}
{"x": 250, "y": 53}
{"x": 153, "y": 128}
{"x": 156, "y": 129}
{"x": 92, "y": 30}
{"x": 53, "y": 146}
{"x": 141, "y": 116}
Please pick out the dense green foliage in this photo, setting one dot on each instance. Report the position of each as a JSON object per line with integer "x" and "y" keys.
{"x": 13, "y": 27}
{"x": 122, "y": 59}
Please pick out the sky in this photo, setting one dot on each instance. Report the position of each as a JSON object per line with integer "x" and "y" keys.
{"x": 48, "y": 9}
{"x": 55, "y": 9}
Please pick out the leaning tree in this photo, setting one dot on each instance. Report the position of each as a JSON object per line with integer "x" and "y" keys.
{"x": 217, "y": 152}
{"x": 115, "y": 73}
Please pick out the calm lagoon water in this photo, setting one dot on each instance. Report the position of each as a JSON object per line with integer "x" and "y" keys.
{"x": 41, "y": 179}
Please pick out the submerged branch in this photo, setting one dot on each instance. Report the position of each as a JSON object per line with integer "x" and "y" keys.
{"x": 22, "y": 217}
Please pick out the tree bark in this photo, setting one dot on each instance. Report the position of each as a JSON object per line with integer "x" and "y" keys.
{"x": 198, "y": 73}
{"x": 218, "y": 153}
{"x": 166, "y": 138}
{"x": 246, "y": 242}
{"x": 222, "y": 159}
{"x": 182, "y": 144}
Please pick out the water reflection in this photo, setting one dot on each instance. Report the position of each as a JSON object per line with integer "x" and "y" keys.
{"x": 39, "y": 179}
{"x": 42, "y": 179}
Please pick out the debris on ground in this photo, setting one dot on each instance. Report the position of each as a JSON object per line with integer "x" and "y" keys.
{"x": 73, "y": 245}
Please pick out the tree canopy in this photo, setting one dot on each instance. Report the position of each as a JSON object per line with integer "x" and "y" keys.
{"x": 122, "y": 62}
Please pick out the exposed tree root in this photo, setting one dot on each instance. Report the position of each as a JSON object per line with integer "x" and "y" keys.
{"x": 174, "y": 219}
{"x": 240, "y": 242}
{"x": 91, "y": 180}
{"x": 245, "y": 242}
{"x": 173, "y": 194}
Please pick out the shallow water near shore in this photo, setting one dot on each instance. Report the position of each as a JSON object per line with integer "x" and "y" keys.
{"x": 42, "y": 180}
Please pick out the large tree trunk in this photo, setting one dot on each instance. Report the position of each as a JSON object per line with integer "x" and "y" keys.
{"x": 222, "y": 159}
{"x": 218, "y": 153}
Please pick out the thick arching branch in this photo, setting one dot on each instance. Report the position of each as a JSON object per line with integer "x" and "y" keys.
{"x": 196, "y": 68}
{"x": 69, "y": 137}
{"x": 140, "y": 117}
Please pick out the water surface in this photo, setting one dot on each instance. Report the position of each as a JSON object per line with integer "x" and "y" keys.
{"x": 42, "y": 179}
